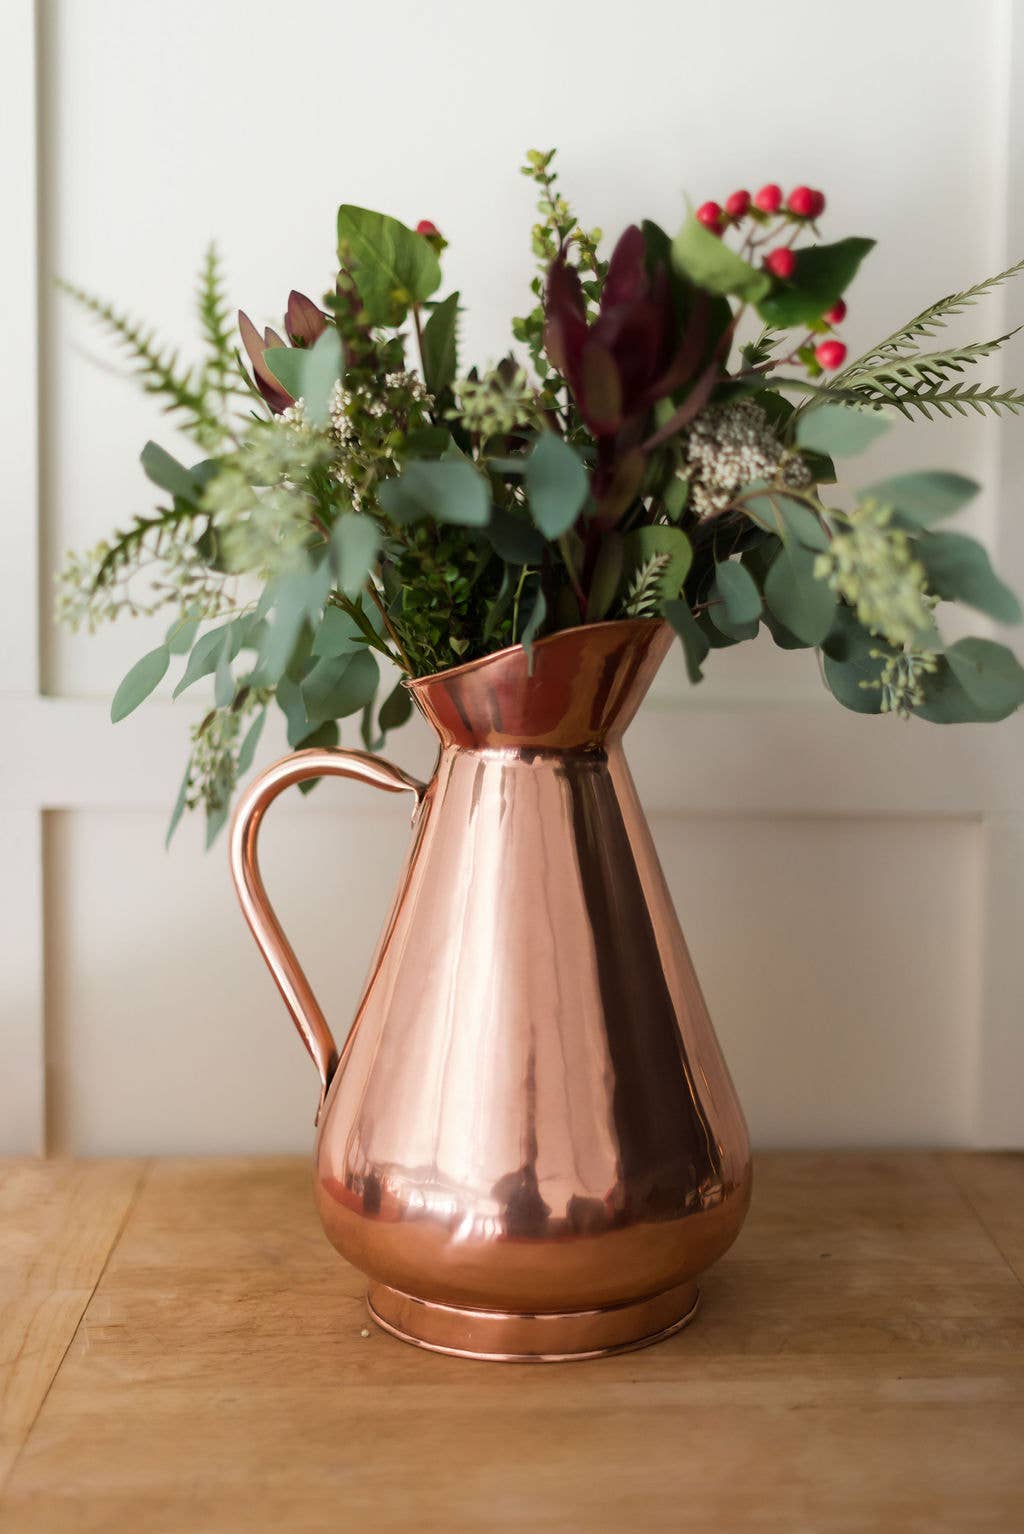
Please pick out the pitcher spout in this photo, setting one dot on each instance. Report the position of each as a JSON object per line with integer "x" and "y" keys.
{"x": 576, "y": 690}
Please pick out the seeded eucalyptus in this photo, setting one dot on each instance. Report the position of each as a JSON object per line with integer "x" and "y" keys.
{"x": 365, "y": 506}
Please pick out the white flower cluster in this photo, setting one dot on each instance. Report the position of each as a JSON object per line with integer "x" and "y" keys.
{"x": 733, "y": 445}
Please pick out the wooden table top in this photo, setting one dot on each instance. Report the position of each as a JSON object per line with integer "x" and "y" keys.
{"x": 182, "y": 1353}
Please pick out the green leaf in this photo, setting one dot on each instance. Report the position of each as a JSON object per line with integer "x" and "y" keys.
{"x": 289, "y": 700}
{"x": 958, "y": 570}
{"x": 325, "y": 735}
{"x": 822, "y": 274}
{"x": 926, "y": 497}
{"x": 339, "y": 685}
{"x": 288, "y": 365}
{"x": 338, "y": 634}
{"x": 839, "y": 429}
{"x": 323, "y": 367}
{"x": 708, "y": 261}
{"x": 676, "y": 495}
{"x": 309, "y": 373}
{"x": 947, "y": 701}
{"x": 216, "y": 820}
{"x": 556, "y": 484}
{"x": 607, "y": 576}
{"x": 168, "y": 474}
{"x": 223, "y": 681}
{"x": 146, "y": 674}
{"x": 989, "y": 673}
{"x": 179, "y": 804}
{"x": 247, "y": 750}
{"x": 447, "y": 489}
{"x": 695, "y": 643}
{"x": 822, "y": 469}
{"x": 393, "y": 265}
{"x": 644, "y": 543}
{"x": 735, "y": 587}
{"x": 298, "y": 594}
{"x": 355, "y": 543}
{"x": 805, "y": 606}
{"x": 513, "y": 539}
{"x": 781, "y": 634}
{"x": 396, "y": 708}
{"x": 783, "y": 515}
{"x": 206, "y": 651}
{"x": 440, "y": 345}
{"x": 847, "y": 662}
{"x": 181, "y": 635}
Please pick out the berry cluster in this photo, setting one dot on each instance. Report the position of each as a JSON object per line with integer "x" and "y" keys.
{"x": 803, "y": 206}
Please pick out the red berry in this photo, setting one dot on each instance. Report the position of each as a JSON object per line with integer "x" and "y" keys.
{"x": 836, "y": 315}
{"x": 831, "y": 354}
{"x": 710, "y": 215}
{"x": 769, "y": 198}
{"x": 427, "y": 227}
{"x": 737, "y": 204}
{"x": 781, "y": 263}
{"x": 817, "y": 203}
{"x": 801, "y": 202}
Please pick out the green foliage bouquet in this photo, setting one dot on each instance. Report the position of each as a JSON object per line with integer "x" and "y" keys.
{"x": 361, "y": 499}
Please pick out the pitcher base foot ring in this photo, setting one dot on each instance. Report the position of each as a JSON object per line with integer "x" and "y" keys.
{"x": 554, "y": 1337}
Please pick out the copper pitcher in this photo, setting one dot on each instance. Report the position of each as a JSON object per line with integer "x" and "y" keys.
{"x": 529, "y": 1142}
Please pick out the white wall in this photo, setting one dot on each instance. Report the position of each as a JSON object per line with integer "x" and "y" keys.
{"x": 851, "y": 887}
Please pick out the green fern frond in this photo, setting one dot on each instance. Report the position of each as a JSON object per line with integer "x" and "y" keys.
{"x": 946, "y": 399}
{"x": 757, "y": 352}
{"x": 158, "y": 367}
{"x": 145, "y": 533}
{"x": 911, "y": 368}
{"x": 930, "y": 320}
{"x": 216, "y": 326}
{"x": 644, "y": 591}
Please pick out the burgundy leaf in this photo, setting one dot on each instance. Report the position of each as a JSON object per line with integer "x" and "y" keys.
{"x": 621, "y": 487}
{"x": 687, "y": 358}
{"x": 599, "y": 393}
{"x": 273, "y": 391}
{"x": 698, "y": 395}
{"x": 626, "y": 279}
{"x": 304, "y": 320}
{"x": 566, "y": 328}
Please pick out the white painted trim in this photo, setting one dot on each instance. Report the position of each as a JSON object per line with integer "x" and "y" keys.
{"x": 785, "y": 752}
{"x": 22, "y": 1033}
{"x": 19, "y": 376}
{"x": 800, "y": 760}
{"x": 22, "y": 1070}
{"x": 999, "y": 1099}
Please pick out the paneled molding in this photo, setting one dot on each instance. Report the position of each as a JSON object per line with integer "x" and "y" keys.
{"x": 742, "y": 758}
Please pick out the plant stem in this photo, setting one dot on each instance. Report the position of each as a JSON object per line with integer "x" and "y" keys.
{"x": 392, "y": 632}
{"x": 419, "y": 339}
{"x": 518, "y": 598}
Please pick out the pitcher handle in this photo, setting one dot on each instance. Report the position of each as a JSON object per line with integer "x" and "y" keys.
{"x": 289, "y": 977}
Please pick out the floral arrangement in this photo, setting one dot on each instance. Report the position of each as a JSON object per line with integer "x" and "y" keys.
{"x": 361, "y": 500}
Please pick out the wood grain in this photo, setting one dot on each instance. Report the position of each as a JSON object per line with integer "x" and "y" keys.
{"x": 858, "y": 1364}
{"x": 58, "y": 1223}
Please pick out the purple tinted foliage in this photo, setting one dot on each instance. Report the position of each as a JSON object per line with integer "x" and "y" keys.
{"x": 633, "y": 354}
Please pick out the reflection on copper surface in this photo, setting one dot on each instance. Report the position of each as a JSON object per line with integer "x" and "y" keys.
{"x": 531, "y": 1118}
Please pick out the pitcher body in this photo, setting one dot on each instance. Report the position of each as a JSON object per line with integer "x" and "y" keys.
{"x": 530, "y": 1142}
